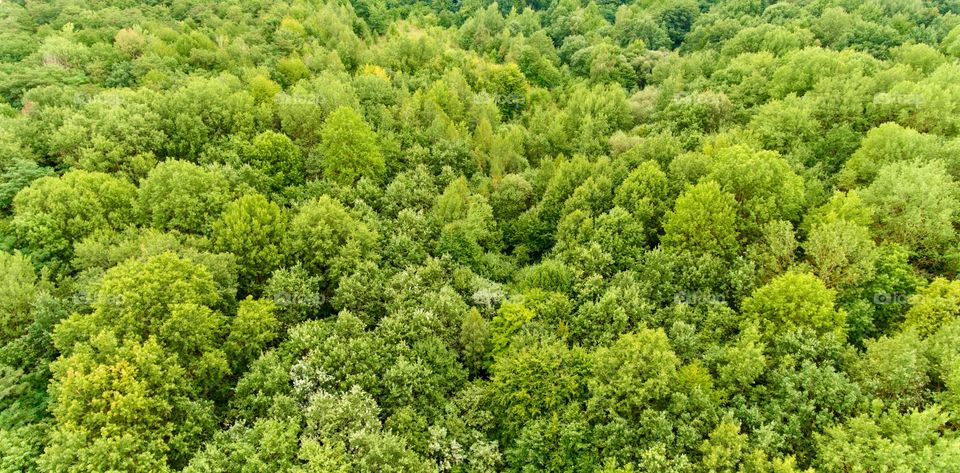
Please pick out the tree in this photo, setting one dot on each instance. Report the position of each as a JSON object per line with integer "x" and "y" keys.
{"x": 511, "y": 197}
{"x": 915, "y": 204}
{"x": 951, "y": 43}
{"x": 795, "y": 300}
{"x": 18, "y": 175}
{"x": 349, "y": 148}
{"x": 644, "y": 193}
{"x": 17, "y": 291}
{"x": 53, "y": 213}
{"x": 121, "y": 406}
{"x": 296, "y": 294}
{"x": 303, "y": 108}
{"x": 153, "y": 339}
{"x": 253, "y": 228}
{"x": 507, "y": 85}
{"x": 328, "y": 240}
{"x": 182, "y": 196}
{"x": 136, "y": 300}
{"x": 277, "y": 157}
{"x": 203, "y": 112}
{"x": 251, "y": 330}
{"x": 895, "y": 370}
{"x": 934, "y": 306}
{"x": 912, "y": 441}
{"x": 776, "y": 250}
{"x": 116, "y": 132}
{"x": 703, "y": 221}
{"x": 633, "y": 23}
{"x": 475, "y": 341}
{"x": 841, "y": 253}
{"x": 787, "y": 126}
{"x": 764, "y": 185}
{"x": 846, "y": 206}
{"x": 677, "y": 20}
{"x": 534, "y": 381}
{"x": 266, "y": 445}
{"x": 886, "y": 144}
{"x": 637, "y": 371}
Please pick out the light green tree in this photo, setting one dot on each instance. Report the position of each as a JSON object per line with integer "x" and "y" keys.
{"x": 253, "y": 229}
{"x": 842, "y": 253}
{"x": 182, "y": 196}
{"x": 349, "y": 148}
{"x": 53, "y": 213}
{"x": 703, "y": 221}
{"x": 934, "y": 306}
{"x": 915, "y": 204}
{"x": 795, "y": 300}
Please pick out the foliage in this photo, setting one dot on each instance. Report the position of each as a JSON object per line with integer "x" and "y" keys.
{"x": 315, "y": 236}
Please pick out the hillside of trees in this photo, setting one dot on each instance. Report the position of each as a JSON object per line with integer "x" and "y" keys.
{"x": 459, "y": 236}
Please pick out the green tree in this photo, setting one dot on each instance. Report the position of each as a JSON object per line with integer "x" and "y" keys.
{"x": 53, "y": 213}
{"x": 253, "y": 229}
{"x": 895, "y": 370}
{"x": 795, "y": 300}
{"x": 841, "y": 253}
{"x": 349, "y": 148}
{"x": 934, "y": 306}
{"x": 328, "y": 240}
{"x": 677, "y": 19}
{"x": 251, "y": 330}
{"x": 536, "y": 380}
{"x": 17, "y": 292}
{"x": 776, "y": 250}
{"x": 915, "y": 204}
{"x": 296, "y": 293}
{"x": 878, "y": 441}
{"x": 645, "y": 194}
{"x": 18, "y": 175}
{"x": 182, "y": 196}
{"x": 765, "y": 186}
{"x": 507, "y": 88}
{"x": 277, "y": 157}
{"x": 203, "y": 112}
{"x": 121, "y": 406}
{"x": 266, "y": 445}
{"x": 637, "y": 371}
{"x": 886, "y": 144}
{"x": 846, "y": 206}
{"x": 703, "y": 221}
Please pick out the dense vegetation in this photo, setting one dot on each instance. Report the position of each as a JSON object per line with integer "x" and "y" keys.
{"x": 399, "y": 236}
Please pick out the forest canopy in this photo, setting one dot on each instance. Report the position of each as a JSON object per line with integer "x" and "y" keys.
{"x": 462, "y": 236}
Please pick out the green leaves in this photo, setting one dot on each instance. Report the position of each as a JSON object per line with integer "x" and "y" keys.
{"x": 886, "y": 440}
{"x": 634, "y": 373}
{"x": 916, "y": 204}
{"x": 842, "y": 253}
{"x": 137, "y": 298}
{"x": 672, "y": 236}
{"x": 115, "y": 405}
{"x": 17, "y": 290}
{"x": 764, "y": 185}
{"x": 934, "y": 306}
{"x": 277, "y": 157}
